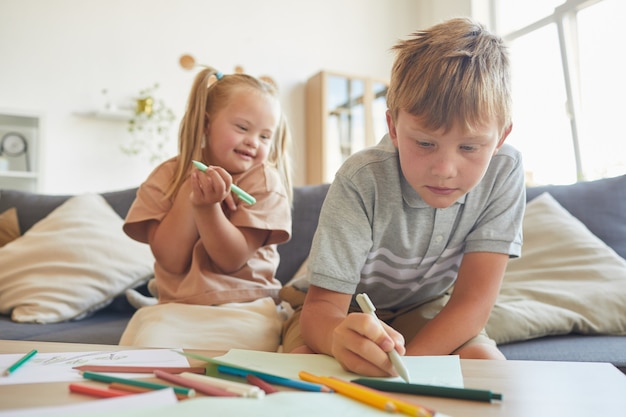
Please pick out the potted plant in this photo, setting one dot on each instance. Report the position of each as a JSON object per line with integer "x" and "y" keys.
{"x": 150, "y": 126}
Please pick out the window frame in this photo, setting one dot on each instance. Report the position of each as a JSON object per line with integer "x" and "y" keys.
{"x": 564, "y": 17}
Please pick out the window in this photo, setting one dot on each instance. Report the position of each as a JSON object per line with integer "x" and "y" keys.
{"x": 568, "y": 86}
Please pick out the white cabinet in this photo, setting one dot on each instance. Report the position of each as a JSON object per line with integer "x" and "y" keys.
{"x": 19, "y": 150}
{"x": 344, "y": 114}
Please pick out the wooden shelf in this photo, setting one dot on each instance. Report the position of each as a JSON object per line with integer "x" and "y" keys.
{"x": 22, "y": 172}
{"x": 19, "y": 174}
{"x": 112, "y": 115}
{"x": 344, "y": 114}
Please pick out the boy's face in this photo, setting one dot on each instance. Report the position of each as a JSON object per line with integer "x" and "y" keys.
{"x": 442, "y": 167}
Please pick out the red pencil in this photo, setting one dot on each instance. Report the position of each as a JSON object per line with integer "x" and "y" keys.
{"x": 264, "y": 385}
{"x": 97, "y": 391}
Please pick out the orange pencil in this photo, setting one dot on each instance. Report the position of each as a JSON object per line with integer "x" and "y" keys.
{"x": 97, "y": 391}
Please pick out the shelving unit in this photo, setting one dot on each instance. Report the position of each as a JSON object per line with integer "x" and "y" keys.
{"x": 20, "y": 171}
{"x": 344, "y": 114}
{"x": 111, "y": 115}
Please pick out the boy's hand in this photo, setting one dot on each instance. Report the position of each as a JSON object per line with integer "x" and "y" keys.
{"x": 361, "y": 345}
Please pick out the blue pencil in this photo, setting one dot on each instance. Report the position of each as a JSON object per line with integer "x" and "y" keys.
{"x": 273, "y": 379}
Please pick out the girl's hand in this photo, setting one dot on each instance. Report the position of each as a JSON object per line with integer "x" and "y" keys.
{"x": 211, "y": 187}
{"x": 361, "y": 345}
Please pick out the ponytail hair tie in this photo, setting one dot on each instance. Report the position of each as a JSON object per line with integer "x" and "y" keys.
{"x": 219, "y": 75}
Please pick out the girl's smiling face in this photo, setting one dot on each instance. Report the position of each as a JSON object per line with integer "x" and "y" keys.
{"x": 443, "y": 166}
{"x": 239, "y": 136}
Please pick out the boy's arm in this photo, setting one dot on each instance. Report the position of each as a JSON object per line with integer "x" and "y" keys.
{"x": 466, "y": 314}
{"x": 356, "y": 340}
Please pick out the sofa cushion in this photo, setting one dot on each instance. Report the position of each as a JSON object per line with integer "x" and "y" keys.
{"x": 32, "y": 207}
{"x": 71, "y": 263}
{"x": 9, "y": 226}
{"x": 307, "y": 203}
{"x": 599, "y": 204}
{"x": 567, "y": 280}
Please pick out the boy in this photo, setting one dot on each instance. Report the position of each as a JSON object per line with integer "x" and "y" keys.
{"x": 425, "y": 221}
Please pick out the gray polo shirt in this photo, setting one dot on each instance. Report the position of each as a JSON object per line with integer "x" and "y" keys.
{"x": 377, "y": 235}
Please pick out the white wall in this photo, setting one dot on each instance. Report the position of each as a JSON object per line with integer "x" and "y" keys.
{"x": 57, "y": 55}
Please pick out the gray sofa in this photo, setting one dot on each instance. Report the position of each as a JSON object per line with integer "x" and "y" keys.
{"x": 601, "y": 205}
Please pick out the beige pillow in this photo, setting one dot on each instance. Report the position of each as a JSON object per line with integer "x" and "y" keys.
{"x": 71, "y": 263}
{"x": 254, "y": 326}
{"x": 9, "y": 226}
{"x": 567, "y": 280}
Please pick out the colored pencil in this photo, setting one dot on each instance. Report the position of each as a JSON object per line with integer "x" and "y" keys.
{"x": 378, "y": 401}
{"x": 369, "y": 396}
{"x": 135, "y": 389}
{"x": 244, "y": 390}
{"x": 403, "y": 406}
{"x": 259, "y": 382}
{"x": 273, "y": 379}
{"x": 19, "y": 363}
{"x": 139, "y": 369}
{"x": 195, "y": 385}
{"x": 97, "y": 391}
{"x": 139, "y": 383}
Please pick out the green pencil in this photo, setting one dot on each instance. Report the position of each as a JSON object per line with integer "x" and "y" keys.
{"x": 190, "y": 392}
{"x": 19, "y": 363}
{"x": 244, "y": 196}
{"x": 429, "y": 390}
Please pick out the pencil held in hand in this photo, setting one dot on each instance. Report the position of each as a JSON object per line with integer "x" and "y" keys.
{"x": 368, "y": 307}
{"x": 244, "y": 196}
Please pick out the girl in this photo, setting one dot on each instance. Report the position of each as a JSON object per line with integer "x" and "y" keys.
{"x": 210, "y": 247}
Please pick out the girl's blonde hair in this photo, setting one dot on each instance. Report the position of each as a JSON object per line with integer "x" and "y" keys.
{"x": 454, "y": 72}
{"x": 209, "y": 92}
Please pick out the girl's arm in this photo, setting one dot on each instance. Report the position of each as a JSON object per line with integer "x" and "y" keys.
{"x": 228, "y": 246}
{"x": 172, "y": 240}
{"x": 467, "y": 311}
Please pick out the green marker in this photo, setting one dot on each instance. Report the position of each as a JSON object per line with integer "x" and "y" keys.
{"x": 244, "y": 196}
{"x": 435, "y": 391}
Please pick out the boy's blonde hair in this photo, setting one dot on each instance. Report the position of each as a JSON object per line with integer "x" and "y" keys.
{"x": 454, "y": 72}
{"x": 209, "y": 92}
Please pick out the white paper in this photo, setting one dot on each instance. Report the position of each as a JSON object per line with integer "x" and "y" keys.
{"x": 57, "y": 367}
{"x": 151, "y": 401}
{"x": 283, "y": 404}
{"x": 428, "y": 370}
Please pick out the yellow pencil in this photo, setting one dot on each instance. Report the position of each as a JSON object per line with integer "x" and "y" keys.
{"x": 353, "y": 391}
{"x": 404, "y": 407}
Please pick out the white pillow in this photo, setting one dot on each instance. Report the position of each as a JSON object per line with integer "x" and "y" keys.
{"x": 567, "y": 280}
{"x": 71, "y": 263}
{"x": 255, "y": 325}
